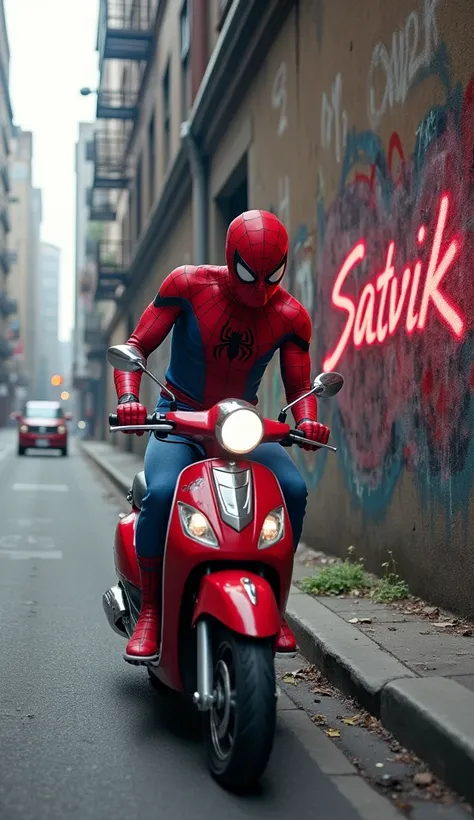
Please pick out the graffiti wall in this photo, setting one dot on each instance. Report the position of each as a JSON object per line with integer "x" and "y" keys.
{"x": 374, "y": 133}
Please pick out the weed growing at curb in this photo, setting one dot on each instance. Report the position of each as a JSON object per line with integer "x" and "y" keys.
{"x": 390, "y": 587}
{"x": 349, "y": 576}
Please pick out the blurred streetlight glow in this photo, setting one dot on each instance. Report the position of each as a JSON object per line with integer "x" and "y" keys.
{"x": 64, "y": 395}
{"x": 56, "y": 380}
{"x": 81, "y": 425}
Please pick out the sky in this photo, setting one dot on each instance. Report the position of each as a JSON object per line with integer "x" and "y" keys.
{"x": 52, "y": 45}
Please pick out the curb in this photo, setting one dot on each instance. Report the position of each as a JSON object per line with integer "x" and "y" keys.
{"x": 118, "y": 478}
{"x": 432, "y": 716}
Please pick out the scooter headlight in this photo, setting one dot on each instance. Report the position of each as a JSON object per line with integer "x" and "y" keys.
{"x": 24, "y": 428}
{"x": 239, "y": 428}
{"x": 273, "y": 528}
{"x": 196, "y": 525}
{"x": 61, "y": 429}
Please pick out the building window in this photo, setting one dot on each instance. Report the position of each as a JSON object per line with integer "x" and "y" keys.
{"x": 166, "y": 118}
{"x": 138, "y": 197}
{"x": 185, "y": 33}
{"x": 151, "y": 162}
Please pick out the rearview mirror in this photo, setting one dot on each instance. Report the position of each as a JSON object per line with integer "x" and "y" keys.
{"x": 327, "y": 384}
{"x": 126, "y": 358}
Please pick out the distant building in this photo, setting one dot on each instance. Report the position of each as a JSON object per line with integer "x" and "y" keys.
{"x": 7, "y": 305}
{"x": 23, "y": 244}
{"x": 49, "y": 361}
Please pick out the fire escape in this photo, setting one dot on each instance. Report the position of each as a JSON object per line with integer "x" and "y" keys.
{"x": 125, "y": 45}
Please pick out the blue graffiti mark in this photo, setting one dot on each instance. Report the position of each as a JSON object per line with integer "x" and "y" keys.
{"x": 371, "y": 496}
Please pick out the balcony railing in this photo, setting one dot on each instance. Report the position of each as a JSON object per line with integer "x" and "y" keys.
{"x": 5, "y": 348}
{"x": 101, "y": 206}
{"x": 5, "y": 219}
{"x": 113, "y": 263}
{"x": 113, "y": 259}
{"x": 109, "y": 162}
{"x": 5, "y": 261}
{"x": 8, "y": 307}
{"x": 93, "y": 329}
{"x": 116, "y": 105}
{"x": 4, "y": 174}
{"x": 125, "y": 30}
{"x": 91, "y": 248}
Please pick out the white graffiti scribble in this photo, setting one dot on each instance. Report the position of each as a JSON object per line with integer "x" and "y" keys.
{"x": 280, "y": 97}
{"x": 395, "y": 70}
{"x": 334, "y": 120}
{"x": 284, "y": 200}
{"x": 304, "y": 273}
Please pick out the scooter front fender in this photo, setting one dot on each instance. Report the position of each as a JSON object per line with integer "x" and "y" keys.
{"x": 242, "y": 601}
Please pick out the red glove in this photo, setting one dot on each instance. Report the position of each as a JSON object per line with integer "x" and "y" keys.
{"x": 132, "y": 412}
{"x": 314, "y": 431}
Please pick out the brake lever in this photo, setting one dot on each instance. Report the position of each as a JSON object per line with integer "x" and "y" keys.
{"x": 295, "y": 438}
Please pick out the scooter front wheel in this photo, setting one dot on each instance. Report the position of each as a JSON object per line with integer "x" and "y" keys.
{"x": 240, "y": 727}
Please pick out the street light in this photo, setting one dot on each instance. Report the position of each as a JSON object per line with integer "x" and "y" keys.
{"x": 56, "y": 380}
{"x": 64, "y": 395}
{"x": 86, "y": 91}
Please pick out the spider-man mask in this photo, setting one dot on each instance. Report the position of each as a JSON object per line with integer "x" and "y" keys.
{"x": 256, "y": 253}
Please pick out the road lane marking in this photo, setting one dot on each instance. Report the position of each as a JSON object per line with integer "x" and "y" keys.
{"x": 51, "y": 488}
{"x": 24, "y": 555}
{"x": 9, "y": 542}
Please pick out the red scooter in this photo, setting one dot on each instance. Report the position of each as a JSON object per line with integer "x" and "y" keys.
{"x": 226, "y": 575}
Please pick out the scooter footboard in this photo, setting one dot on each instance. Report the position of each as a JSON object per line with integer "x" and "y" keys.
{"x": 242, "y": 601}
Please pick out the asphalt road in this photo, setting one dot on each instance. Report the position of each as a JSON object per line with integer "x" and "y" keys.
{"x": 83, "y": 735}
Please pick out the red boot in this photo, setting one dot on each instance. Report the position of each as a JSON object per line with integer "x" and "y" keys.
{"x": 286, "y": 641}
{"x": 143, "y": 645}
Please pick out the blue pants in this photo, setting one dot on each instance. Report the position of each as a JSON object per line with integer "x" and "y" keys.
{"x": 165, "y": 459}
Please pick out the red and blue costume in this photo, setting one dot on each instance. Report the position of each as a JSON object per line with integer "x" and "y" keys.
{"x": 227, "y": 322}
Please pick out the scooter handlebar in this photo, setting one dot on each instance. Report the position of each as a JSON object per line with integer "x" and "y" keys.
{"x": 295, "y": 436}
{"x": 114, "y": 420}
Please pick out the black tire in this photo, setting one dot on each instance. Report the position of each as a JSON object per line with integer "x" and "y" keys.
{"x": 64, "y": 452}
{"x": 252, "y": 718}
{"x": 21, "y": 451}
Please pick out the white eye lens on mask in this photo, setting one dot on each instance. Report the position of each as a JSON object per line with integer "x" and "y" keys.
{"x": 244, "y": 274}
{"x": 277, "y": 275}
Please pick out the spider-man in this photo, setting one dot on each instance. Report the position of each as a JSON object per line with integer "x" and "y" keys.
{"x": 227, "y": 323}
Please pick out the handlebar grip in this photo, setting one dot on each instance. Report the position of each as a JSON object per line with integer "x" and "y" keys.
{"x": 114, "y": 419}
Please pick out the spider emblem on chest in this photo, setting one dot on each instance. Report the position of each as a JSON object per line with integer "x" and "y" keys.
{"x": 237, "y": 344}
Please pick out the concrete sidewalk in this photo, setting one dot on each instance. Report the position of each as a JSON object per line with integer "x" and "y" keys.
{"x": 400, "y": 666}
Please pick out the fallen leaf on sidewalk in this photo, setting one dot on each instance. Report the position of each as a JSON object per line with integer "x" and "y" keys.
{"x": 445, "y": 624}
{"x": 423, "y": 779}
{"x": 431, "y": 611}
{"x": 290, "y": 678}
{"x": 392, "y": 628}
{"x": 319, "y": 690}
{"x": 352, "y": 721}
{"x": 360, "y": 621}
{"x": 333, "y": 733}
{"x": 318, "y": 718}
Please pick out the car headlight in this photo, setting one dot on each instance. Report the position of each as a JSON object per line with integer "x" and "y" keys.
{"x": 61, "y": 429}
{"x": 196, "y": 525}
{"x": 273, "y": 528}
{"x": 24, "y": 428}
{"x": 239, "y": 429}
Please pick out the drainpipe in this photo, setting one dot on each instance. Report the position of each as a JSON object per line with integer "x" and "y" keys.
{"x": 200, "y": 202}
